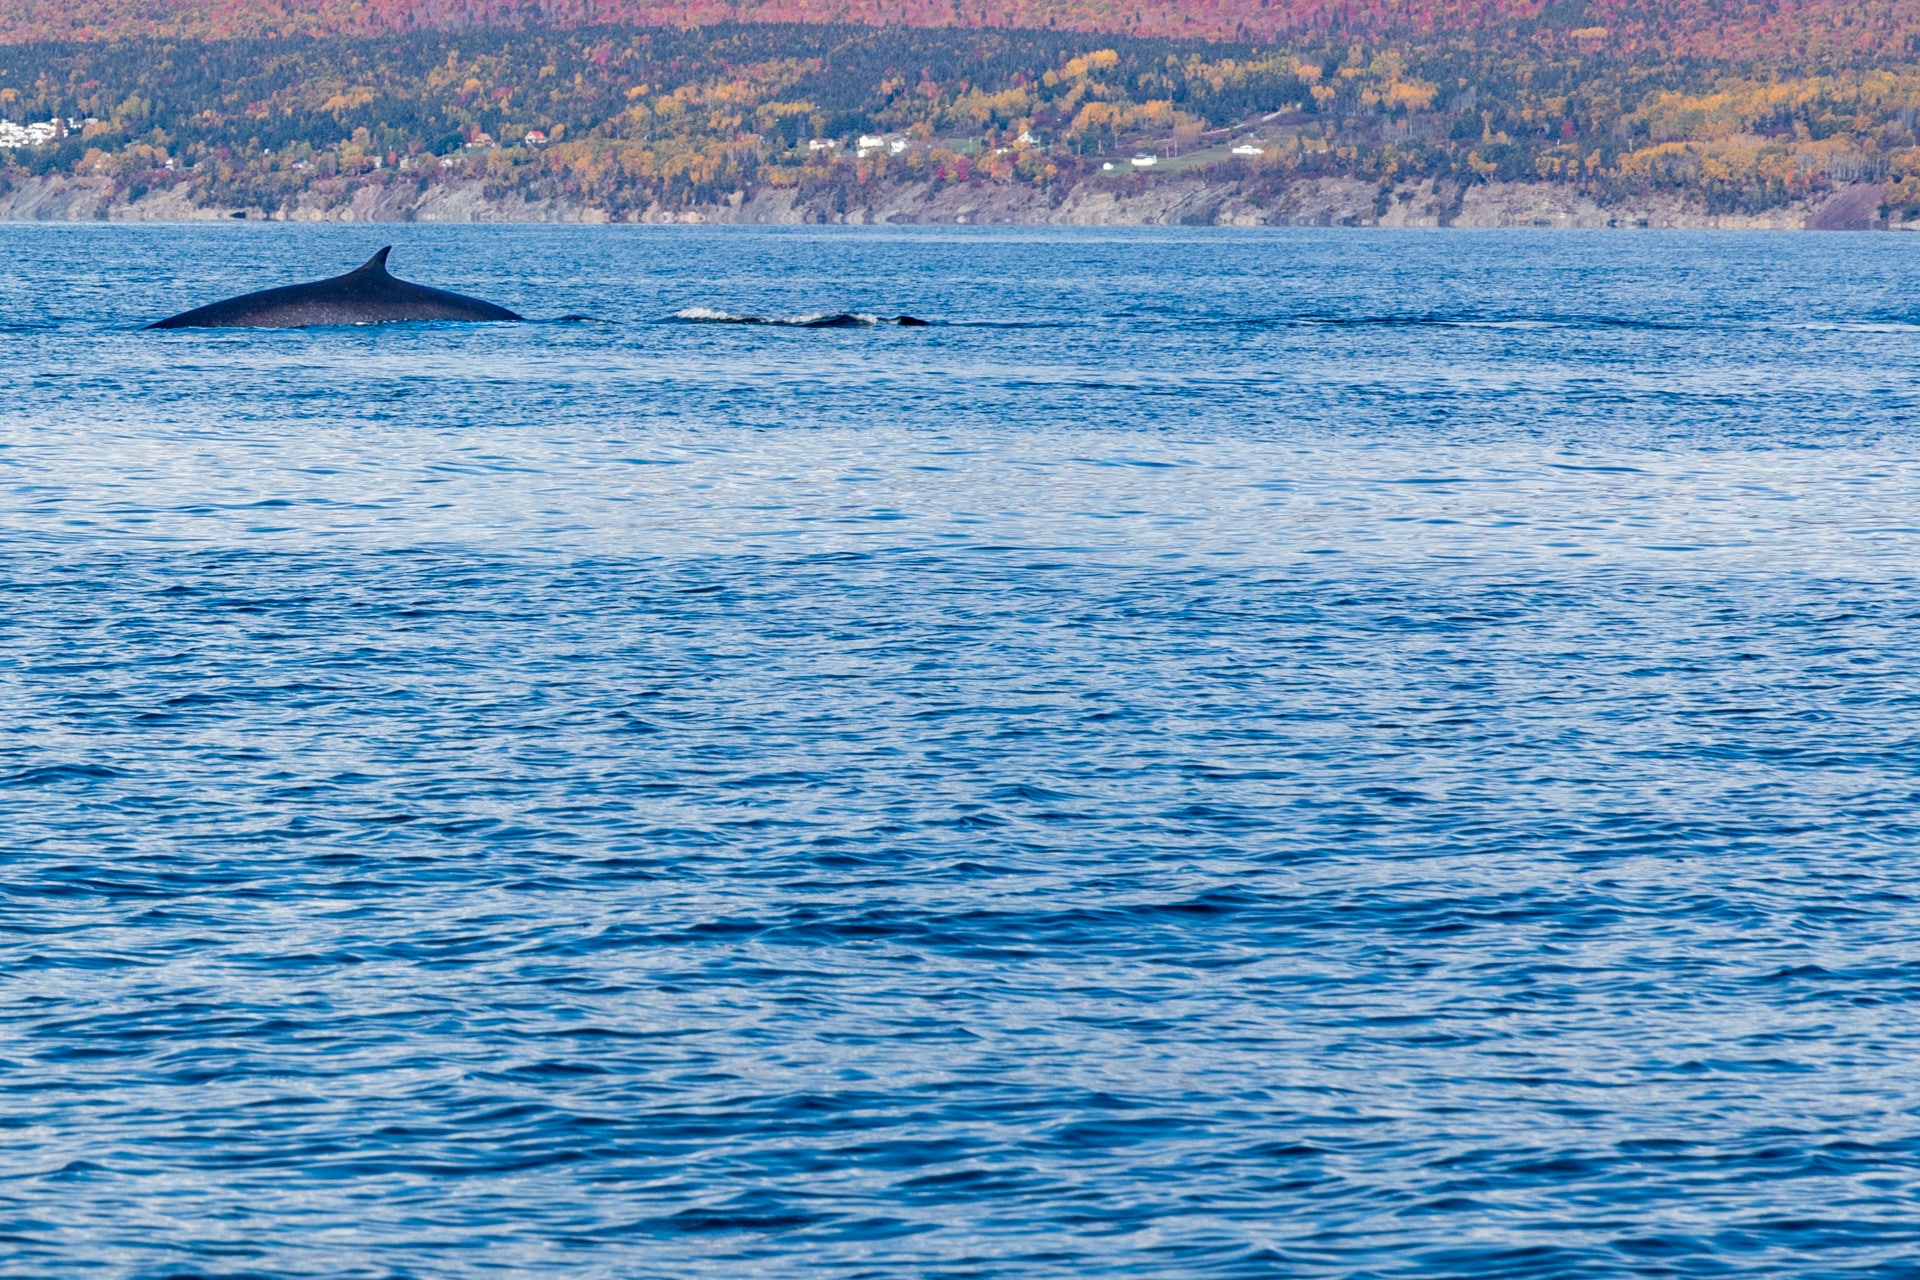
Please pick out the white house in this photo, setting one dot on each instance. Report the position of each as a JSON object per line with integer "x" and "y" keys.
{"x": 1145, "y": 162}
{"x": 37, "y": 134}
{"x": 1249, "y": 149}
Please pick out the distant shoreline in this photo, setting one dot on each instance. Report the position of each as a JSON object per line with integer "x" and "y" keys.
{"x": 1154, "y": 201}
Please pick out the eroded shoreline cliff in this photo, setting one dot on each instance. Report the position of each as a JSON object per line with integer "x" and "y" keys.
{"x": 1169, "y": 201}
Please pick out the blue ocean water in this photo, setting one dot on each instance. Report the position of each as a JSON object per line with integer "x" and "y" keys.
{"x": 1230, "y": 754}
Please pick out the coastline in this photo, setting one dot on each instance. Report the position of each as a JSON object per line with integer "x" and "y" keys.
{"x": 1156, "y": 201}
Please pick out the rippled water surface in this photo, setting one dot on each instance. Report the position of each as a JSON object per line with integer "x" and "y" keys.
{"x": 1320, "y": 754}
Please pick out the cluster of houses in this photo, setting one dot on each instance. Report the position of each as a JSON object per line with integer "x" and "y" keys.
{"x": 481, "y": 140}
{"x": 866, "y": 145}
{"x": 871, "y": 145}
{"x": 40, "y": 132}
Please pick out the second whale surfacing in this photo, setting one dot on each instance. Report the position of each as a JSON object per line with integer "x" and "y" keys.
{"x": 365, "y": 295}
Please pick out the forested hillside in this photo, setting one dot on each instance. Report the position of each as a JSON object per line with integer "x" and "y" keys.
{"x": 1808, "y": 34}
{"x": 626, "y": 118}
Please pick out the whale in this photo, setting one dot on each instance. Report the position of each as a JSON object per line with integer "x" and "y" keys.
{"x": 832, "y": 320}
{"x": 365, "y": 295}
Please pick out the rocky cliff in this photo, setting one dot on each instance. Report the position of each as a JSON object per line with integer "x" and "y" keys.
{"x": 1158, "y": 201}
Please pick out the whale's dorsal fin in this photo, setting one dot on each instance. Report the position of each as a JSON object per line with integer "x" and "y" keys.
{"x": 376, "y": 265}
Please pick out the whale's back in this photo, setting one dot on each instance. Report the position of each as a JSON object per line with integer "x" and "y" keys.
{"x": 366, "y": 295}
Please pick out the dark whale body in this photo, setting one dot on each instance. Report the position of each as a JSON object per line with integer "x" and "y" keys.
{"x": 365, "y": 295}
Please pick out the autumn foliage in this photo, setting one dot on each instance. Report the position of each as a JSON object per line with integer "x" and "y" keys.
{"x": 1801, "y": 32}
{"x": 631, "y": 118}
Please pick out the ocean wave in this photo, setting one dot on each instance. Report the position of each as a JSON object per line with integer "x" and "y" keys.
{"x": 1859, "y": 326}
{"x": 1446, "y": 321}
